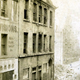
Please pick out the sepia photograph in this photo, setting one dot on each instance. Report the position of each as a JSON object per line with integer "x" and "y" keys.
{"x": 39, "y": 39}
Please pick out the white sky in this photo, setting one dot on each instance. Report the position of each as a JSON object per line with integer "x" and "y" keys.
{"x": 67, "y": 8}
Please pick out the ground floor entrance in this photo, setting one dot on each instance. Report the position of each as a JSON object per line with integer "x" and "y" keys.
{"x": 6, "y": 75}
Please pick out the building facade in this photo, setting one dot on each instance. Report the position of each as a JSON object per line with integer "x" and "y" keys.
{"x": 8, "y": 40}
{"x": 27, "y": 40}
{"x": 36, "y": 39}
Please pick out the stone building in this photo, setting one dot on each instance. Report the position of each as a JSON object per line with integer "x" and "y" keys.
{"x": 36, "y": 39}
{"x": 8, "y": 40}
{"x": 27, "y": 40}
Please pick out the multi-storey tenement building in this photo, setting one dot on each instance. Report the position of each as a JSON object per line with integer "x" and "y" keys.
{"x": 26, "y": 39}
{"x": 36, "y": 39}
{"x": 8, "y": 40}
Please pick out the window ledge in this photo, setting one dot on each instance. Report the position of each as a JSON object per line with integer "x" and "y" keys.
{"x": 35, "y": 22}
{"x": 26, "y": 20}
{"x": 4, "y": 18}
{"x": 40, "y": 24}
{"x": 35, "y": 54}
{"x": 45, "y": 25}
{"x": 50, "y": 26}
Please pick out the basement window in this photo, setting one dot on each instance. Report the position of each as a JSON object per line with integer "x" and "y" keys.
{"x": 40, "y": 43}
{"x": 34, "y": 12}
{"x": 45, "y": 16}
{"x": 34, "y": 43}
{"x": 26, "y": 9}
{"x": 4, "y": 44}
{"x": 40, "y": 14}
{"x": 25, "y": 42}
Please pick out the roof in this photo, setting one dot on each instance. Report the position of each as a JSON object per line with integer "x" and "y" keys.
{"x": 49, "y": 2}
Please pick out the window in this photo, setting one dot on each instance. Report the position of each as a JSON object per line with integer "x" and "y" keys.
{"x": 50, "y": 48}
{"x": 26, "y": 9}
{"x": 45, "y": 68}
{"x": 45, "y": 15}
{"x": 7, "y": 75}
{"x": 34, "y": 12}
{"x": 0, "y": 68}
{"x": 14, "y": 10}
{"x": 4, "y": 44}
{"x": 25, "y": 42}
{"x": 45, "y": 74}
{"x": 44, "y": 43}
{"x": 50, "y": 18}
{"x": 0, "y": 7}
{"x": 40, "y": 14}
{"x": 4, "y": 8}
{"x": 34, "y": 73}
{"x": 26, "y": 73}
{"x": 34, "y": 43}
{"x": 39, "y": 73}
{"x": 40, "y": 43}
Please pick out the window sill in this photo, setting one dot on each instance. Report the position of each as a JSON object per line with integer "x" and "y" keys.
{"x": 50, "y": 26}
{"x": 35, "y": 22}
{"x": 45, "y": 25}
{"x": 36, "y": 54}
{"x": 26, "y": 20}
{"x": 40, "y": 24}
{"x": 4, "y": 18}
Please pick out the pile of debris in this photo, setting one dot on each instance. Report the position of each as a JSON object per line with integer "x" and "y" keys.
{"x": 64, "y": 73}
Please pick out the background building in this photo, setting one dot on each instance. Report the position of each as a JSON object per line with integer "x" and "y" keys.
{"x": 8, "y": 40}
{"x": 36, "y": 39}
{"x": 67, "y": 40}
